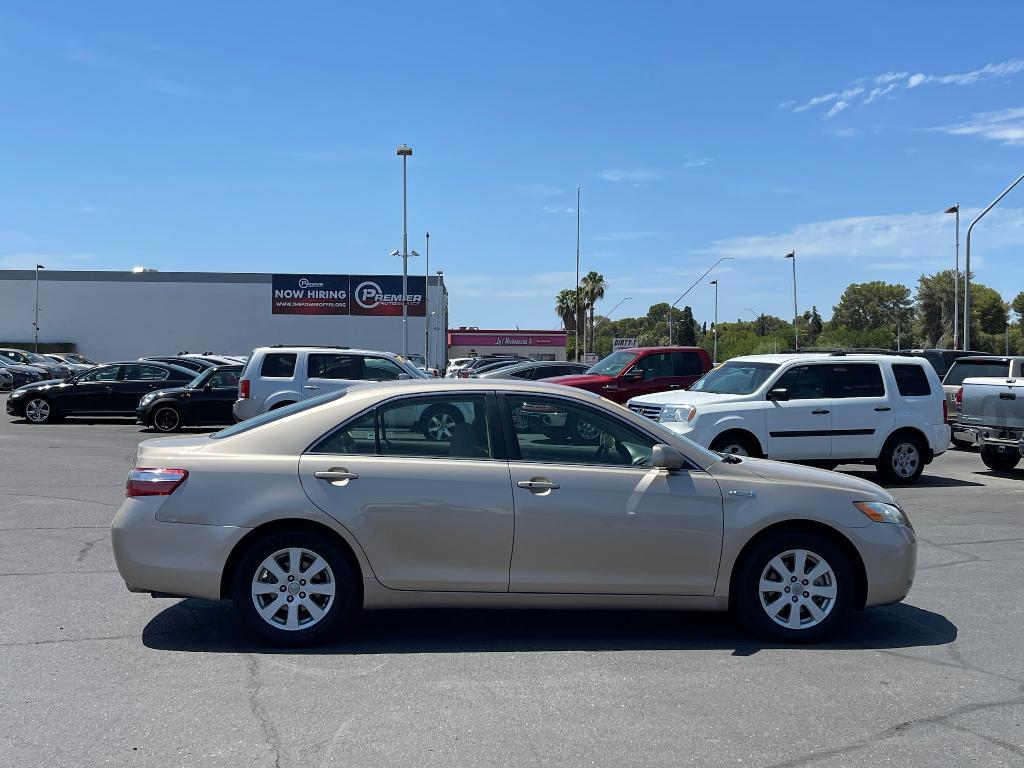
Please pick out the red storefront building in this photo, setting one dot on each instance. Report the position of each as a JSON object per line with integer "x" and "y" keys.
{"x": 540, "y": 345}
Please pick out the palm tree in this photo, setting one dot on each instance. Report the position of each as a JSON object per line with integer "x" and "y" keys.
{"x": 592, "y": 288}
{"x": 565, "y": 308}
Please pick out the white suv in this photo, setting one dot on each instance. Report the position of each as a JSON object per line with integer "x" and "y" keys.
{"x": 822, "y": 409}
{"x": 277, "y": 376}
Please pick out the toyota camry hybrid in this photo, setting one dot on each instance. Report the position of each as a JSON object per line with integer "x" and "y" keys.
{"x": 304, "y": 515}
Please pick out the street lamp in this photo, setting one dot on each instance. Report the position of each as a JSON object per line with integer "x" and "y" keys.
{"x": 956, "y": 277}
{"x": 695, "y": 283}
{"x": 967, "y": 262}
{"x": 442, "y": 350}
{"x": 714, "y": 354}
{"x": 576, "y": 294}
{"x": 426, "y": 305}
{"x": 608, "y": 317}
{"x": 405, "y": 152}
{"x": 796, "y": 332}
{"x": 35, "y": 323}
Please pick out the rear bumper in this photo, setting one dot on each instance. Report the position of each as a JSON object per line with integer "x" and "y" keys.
{"x": 174, "y": 558}
{"x": 247, "y": 408}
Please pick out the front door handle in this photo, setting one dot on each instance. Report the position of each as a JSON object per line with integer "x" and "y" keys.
{"x": 311, "y": 386}
{"x": 538, "y": 485}
{"x": 336, "y": 475}
{"x": 820, "y": 411}
{"x": 883, "y": 408}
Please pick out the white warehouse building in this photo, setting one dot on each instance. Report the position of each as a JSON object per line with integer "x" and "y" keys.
{"x": 126, "y": 315}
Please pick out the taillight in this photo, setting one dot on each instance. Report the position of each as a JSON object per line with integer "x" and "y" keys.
{"x": 243, "y": 389}
{"x": 146, "y": 481}
{"x": 959, "y": 399}
{"x": 945, "y": 411}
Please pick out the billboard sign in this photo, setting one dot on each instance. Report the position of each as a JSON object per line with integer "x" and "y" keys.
{"x": 621, "y": 342}
{"x": 367, "y": 295}
{"x": 310, "y": 294}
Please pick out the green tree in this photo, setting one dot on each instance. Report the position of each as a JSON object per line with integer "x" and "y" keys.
{"x": 592, "y": 289}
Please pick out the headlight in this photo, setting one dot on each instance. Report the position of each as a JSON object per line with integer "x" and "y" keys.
{"x": 146, "y": 399}
{"x": 17, "y": 393}
{"x": 678, "y": 413}
{"x": 883, "y": 513}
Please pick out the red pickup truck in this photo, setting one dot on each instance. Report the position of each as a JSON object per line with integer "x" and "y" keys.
{"x": 631, "y": 372}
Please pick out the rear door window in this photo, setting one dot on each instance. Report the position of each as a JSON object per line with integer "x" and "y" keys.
{"x": 911, "y": 380}
{"x": 278, "y": 365}
{"x": 687, "y": 364}
{"x": 331, "y": 366}
{"x": 857, "y": 380}
{"x": 144, "y": 373}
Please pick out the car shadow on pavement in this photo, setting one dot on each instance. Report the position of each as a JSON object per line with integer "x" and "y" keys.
{"x": 207, "y": 627}
{"x": 925, "y": 481}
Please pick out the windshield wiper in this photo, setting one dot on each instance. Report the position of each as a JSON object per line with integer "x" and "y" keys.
{"x": 730, "y": 458}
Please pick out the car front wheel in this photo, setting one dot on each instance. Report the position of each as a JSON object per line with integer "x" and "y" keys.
{"x": 794, "y": 587}
{"x": 38, "y": 410}
{"x": 167, "y": 418}
{"x": 294, "y": 588}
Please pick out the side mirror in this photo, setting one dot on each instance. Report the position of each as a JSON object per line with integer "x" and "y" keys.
{"x": 778, "y": 395}
{"x": 208, "y": 386}
{"x": 404, "y": 377}
{"x": 634, "y": 376}
{"x": 666, "y": 457}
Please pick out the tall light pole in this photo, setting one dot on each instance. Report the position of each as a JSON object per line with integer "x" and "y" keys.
{"x": 608, "y": 317}
{"x": 695, "y": 284}
{"x": 426, "y": 305}
{"x": 442, "y": 349}
{"x": 714, "y": 355}
{"x": 796, "y": 331}
{"x": 967, "y": 262}
{"x": 956, "y": 277}
{"x": 35, "y": 322}
{"x": 405, "y": 152}
{"x": 576, "y": 294}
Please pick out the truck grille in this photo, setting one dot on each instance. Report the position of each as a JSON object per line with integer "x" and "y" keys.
{"x": 650, "y": 411}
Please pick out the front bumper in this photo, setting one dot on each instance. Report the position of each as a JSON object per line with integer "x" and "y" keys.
{"x": 12, "y": 406}
{"x": 183, "y": 559}
{"x": 889, "y": 553}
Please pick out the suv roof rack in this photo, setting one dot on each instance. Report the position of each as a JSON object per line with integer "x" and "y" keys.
{"x": 307, "y": 346}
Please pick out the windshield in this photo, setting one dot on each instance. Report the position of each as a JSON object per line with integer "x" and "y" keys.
{"x": 80, "y": 359}
{"x": 38, "y": 358}
{"x": 966, "y": 369}
{"x": 613, "y": 364}
{"x": 735, "y": 378}
{"x": 277, "y": 413}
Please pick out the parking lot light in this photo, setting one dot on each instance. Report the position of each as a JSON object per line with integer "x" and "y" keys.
{"x": 796, "y": 332}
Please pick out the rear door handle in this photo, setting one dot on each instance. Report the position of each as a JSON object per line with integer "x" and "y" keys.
{"x": 334, "y": 475}
{"x": 819, "y": 411}
{"x": 538, "y": 485}
{"x": 311, "y": 386}
{"x": 1007, "y": 396}
{"x": 883, "y": 408}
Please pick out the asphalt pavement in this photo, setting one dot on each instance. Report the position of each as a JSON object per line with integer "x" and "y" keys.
{"x": 91, "y": 675}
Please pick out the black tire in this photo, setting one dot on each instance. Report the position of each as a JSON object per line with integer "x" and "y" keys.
{"x": 39, "y": 410}
{"x": 437, "y": 421}
{"x": 338, "y": 610}
{"x": 999, "y": 461}
{"x": 901, "y": 461}
{"x": 737, "y": 444}
{"x": 755, "y": 610}
{"x": 166, "y": 418}
{"x": 962, "y": 445}
{"x": 581, "y": 432}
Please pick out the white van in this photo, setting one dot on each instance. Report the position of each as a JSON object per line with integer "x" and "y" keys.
{"x": 819, "y": 408}
{"x": 276, "y": 376}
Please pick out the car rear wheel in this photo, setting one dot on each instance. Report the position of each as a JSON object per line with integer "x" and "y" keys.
{"x": 438, "y": 422}
{"x": 998, "y": 460}
{"x": 38, "y": 410}
{"x": 901, "y": 460}
{"x": 167, "y": 418}
{"x": 294, "y": 588}
{"x": 794, "y": 587}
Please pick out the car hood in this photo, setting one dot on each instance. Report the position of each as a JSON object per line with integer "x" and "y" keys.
{"x": 580, "y": 380}
{"x": 677, "y": 396}
{"x": 50, "y": 385}
{"x": 798, "y": 474}
{"x": 168, "y": 392}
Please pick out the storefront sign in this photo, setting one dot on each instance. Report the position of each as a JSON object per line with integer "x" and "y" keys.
{"x": 506, "y": 340}
{"x": 622, "y": 342}
{"x": 373, "y": 295}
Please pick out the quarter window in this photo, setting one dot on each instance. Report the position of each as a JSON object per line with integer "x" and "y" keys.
{"x": 803, "y": 382}
{"x": 278, "y": 365}
{"x": 911, "y": 380}
{"x": 558, "y": 431}
{"x": 857, "y": 380}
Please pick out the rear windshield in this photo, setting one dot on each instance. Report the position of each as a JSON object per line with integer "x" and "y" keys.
{"x": 911, "y": 380}
{"x": 966, "y": 369}
{"x": 277, "y": 413}
{"x": 278, "y": 365}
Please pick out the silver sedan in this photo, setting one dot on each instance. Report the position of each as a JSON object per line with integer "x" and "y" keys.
{"x": 304, "y": 515}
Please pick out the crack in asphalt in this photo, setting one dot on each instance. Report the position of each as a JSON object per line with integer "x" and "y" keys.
{"x": 259, "y": 711}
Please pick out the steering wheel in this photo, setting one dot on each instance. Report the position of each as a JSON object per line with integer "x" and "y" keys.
{"x": 603, "y": 452}
{"x": 642, "y": 461}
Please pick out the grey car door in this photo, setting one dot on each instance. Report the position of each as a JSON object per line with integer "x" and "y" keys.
{"x": 597, "y": 519}
{"x": 430, "y": 513}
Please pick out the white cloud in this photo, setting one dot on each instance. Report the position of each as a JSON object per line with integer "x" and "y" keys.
{"x": 891, "y": 83}
{"x": 698, "y": 162}
{"x": 1006, "y": 125}
{"x": 630, "y": 174}
{"x": 556, "y": 209}
{"x": 614, "y": 237}
{"x": 911, "y": 239}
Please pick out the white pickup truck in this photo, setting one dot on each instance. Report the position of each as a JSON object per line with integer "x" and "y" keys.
{"x": 992, "y": 410}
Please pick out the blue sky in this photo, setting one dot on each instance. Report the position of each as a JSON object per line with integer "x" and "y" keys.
{"x": 261, "y": 137}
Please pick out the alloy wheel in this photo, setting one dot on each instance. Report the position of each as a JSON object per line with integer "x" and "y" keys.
{"x": 734, "y": 449}
{"x": 586, "y": 430}
{"x": 905, "y": 460}
{"x": 440, "y": 426}
{"x": 519, "y": 419}
{"x": 166, "y": 419}
{"x": 293, "y": 589}
{"x": 798, "y": 589}
{"x": 37, "y": 410}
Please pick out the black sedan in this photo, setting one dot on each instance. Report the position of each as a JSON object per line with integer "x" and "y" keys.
{"x": 23, "y": 374}
{"x": 205, "y": 400}
{"x": 112, "y": 389}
